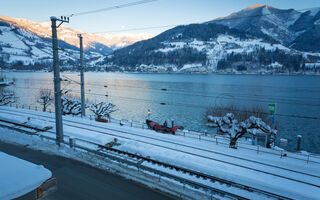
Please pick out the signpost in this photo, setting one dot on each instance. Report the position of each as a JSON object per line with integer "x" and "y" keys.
{"x": 272, "y": 109}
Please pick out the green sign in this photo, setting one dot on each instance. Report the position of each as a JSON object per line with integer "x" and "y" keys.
{"x": 272, "y": 108}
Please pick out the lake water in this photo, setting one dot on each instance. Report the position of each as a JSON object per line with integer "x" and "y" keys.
{"x": 185, "y": 98}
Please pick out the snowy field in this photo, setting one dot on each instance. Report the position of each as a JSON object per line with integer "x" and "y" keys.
{"x": 18, "y": 177}
{"x": 290, "y": 176}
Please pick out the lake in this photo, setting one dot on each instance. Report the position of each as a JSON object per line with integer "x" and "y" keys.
{"x": 185, "y": 98}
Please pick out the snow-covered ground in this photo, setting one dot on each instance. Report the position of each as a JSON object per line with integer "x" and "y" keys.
{"x": 290, "y": 176}
{"x": 18, "y": 177}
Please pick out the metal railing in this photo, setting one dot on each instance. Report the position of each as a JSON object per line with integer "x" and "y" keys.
{"x": 214, "y": 138}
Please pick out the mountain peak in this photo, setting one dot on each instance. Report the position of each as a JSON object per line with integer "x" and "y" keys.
{"x": 254, "y": 6}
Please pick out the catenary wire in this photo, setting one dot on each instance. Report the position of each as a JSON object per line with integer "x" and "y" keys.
{"x": 181, "y": 104}
{"x": 111, "y": 8}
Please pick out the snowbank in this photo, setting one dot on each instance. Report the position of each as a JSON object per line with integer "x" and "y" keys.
{"x": 18, "y": 177}
{"x": 258, "y": 169}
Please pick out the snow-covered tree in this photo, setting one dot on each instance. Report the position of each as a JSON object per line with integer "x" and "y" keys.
{"x": 70, "y": 106}
{"x": 46, "y": 98}
{"x": 230, "y": 126}
{"x": 103, "y": 110}
{"x": 7, "y": 97}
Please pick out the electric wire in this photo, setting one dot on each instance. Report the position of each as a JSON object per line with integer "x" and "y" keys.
{"x": 165, "y": 90}
{"x": 182, "y": 104}
{"x": 262, "y": 99}
{"x": 208, "y": 21}
{"x": 111, "y": 8}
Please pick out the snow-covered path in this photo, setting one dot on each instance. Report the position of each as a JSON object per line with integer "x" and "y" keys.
{"x": 286, "y": 176}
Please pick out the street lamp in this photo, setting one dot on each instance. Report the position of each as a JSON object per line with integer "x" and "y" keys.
{"x": 149, "y": 113}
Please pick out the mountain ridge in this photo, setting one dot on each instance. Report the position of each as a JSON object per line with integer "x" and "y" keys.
{"x": 249, "y": 40}
{"x": 253, "y": 39}
{"x": 287, "y": 26}
{"x": 69, "y": 35}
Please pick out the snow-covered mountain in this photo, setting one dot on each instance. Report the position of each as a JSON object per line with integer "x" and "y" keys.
{"x": 23, "y": 42}
{"x": 112, "y": 40}
{"x": 299, "y": 30}
{"x": 65, "y": 34}
{"x": 255, "y": 39}
{"x": 22, "y": 49}
{"x": 205, "y": 48}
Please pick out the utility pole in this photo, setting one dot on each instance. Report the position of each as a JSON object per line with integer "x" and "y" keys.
{"x": 56, "y": 77}
{"x": 83, "y": 108}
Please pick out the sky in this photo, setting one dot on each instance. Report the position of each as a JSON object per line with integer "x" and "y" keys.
{"x": 153, "y": 14}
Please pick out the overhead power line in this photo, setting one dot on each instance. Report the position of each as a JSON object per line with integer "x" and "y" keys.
{"x": 139, "y": 29}
{"x": 261, "y": 98}
{"x": 212, "y": 21}
{"x": 112, "y": 8}
{"x": 134, "y": 99}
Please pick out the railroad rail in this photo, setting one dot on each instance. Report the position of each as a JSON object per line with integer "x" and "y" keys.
{"x": 190, "y": 153}
{"x": 118, "y": 155}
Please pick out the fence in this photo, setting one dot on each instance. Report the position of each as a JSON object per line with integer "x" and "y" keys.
{"x": 214, "y": 138}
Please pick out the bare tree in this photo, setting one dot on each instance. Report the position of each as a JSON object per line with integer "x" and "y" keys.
{"x": 241, "y": 113}
{"x": 70, "y": 106}
{"x": 103, "y": 110}
{"x": 46, "y": 98}
{"x": 6, "y": 97}
{"x": 235, "y": 130}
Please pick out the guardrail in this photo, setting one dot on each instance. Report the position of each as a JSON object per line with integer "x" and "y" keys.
{"x": 217, "y": 139}
{"x": 137, "y": 160}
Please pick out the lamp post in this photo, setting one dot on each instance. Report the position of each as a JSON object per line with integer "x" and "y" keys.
{"x": 149, "y": 113}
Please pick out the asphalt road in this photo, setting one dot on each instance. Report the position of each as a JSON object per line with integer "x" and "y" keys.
{"x": 83, "y": 182}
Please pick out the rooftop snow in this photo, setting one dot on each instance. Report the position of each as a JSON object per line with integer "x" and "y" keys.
{"x": 18, "y": 177}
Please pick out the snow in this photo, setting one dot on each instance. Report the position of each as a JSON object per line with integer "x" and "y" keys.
{"x": 276, "y": 65}
{"x": 128, "y": 171}
{"x": 171, "y": 46}
{"x": 218, "y": 48}
{"x": 25, "y": 59}
{"x": 39, "y": 53}
{"x": 5, "y": 83}
{"x": 103, "y": 110}
{"x": 18, "y": 177}
{"x": 14, "y": 51}
{"x": 312, "y": 65}
{"x": 200, "y": 155}
{"x": 37, "y": 124}
{"x": 22, "y": 45}
{"x": 70, "y": 105}
{"x": 189, "y": 66}
{"x": 314, "y": 12}
{"x": 247, "y": 44}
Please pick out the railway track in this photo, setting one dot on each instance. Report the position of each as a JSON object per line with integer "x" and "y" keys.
{"x": 156, "y": 141}
{"x": 130, "y": 156}
{"x": 71, "y": 123}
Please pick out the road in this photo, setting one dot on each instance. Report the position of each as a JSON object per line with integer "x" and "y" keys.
{"x": 82, "y": 182}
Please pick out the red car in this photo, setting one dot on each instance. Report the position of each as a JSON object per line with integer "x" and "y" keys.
{"x": 164, "y": 129}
